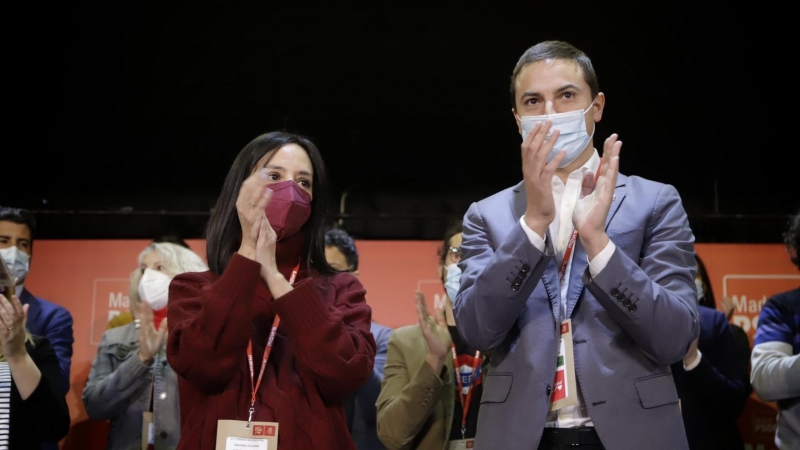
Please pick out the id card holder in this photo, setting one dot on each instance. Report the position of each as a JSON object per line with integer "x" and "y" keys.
{"x": 564, "y": 387}
{"x": 461, "y": 444}
{"x": 236, "y": 435}
{"x": 148, "y": 430}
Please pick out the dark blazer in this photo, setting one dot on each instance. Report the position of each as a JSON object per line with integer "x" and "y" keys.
{"x": 714, "y": 393}
{"x": 44, "y": 416}
{"x": 360, "y": 408}
{"x": 55, "y": 323}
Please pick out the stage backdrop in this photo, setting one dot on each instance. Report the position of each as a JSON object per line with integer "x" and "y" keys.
{"x": 90, "y": 278}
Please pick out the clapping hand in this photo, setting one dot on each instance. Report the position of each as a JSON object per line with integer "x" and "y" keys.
{"x": 591, "y": 210}
{"x": 150, "y": 338}
{"x": 434, "y": 330}
{"x": 14, "y": 316}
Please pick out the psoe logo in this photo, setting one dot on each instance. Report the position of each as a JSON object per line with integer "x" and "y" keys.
{"x": 749, "y": 293}
{"x": 109, "y": 298}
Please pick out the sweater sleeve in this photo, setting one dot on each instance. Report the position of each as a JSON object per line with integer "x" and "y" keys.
{"x": 330, "y": 333}
{"x": 46, "y": 406}
{"x": 775, "y": 372}
{"x": 209, "y": 322}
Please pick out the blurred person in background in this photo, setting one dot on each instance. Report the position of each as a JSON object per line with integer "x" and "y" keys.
{"x": 33, "y": 407}
{"x": 433, "y": 380}
{"x": 775, "y": 360}
{"x": 131, "y": 383}
{"x": 360, "y": 411}
{"x": 713, "y": 380}
{"x": 45, "y": 318}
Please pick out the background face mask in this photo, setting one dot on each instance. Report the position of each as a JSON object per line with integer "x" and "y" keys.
{"x": 18, "y": 263}
{"x": 452, "y": 281}
{"x": 573, "y": 137}
{"x": 154, "y": 288}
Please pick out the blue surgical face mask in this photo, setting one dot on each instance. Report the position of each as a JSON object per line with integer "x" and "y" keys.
{"x": 573, "y": 137}
{"x": 452, "y": 281}
{"x": 18, "y": 263}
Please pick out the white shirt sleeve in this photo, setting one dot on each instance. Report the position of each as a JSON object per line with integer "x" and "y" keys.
{"x": 693, "y": 364}
{"x": 599, "y": 262}
{"x": 536, "y": 240}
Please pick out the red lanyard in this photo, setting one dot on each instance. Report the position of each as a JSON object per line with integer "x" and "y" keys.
{"x": 267, "y": 350}
{"x": 573, "y": 238}
{"x": 465, "y": 399}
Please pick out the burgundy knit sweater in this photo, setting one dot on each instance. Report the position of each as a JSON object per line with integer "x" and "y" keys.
{"x": 322, "y": 352}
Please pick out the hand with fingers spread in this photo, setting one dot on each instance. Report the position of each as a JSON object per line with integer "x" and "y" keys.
{"x": 538, "y": 174}
{"x": 14, "y": 316}
{"x": 591, "y": 210}
{"x": 251, "y": 203}
{"x": 151, "y": 338}
{"x": 434, "y": 330}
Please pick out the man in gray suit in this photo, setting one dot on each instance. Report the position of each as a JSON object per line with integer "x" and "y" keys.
{"x": 578, "y": 280}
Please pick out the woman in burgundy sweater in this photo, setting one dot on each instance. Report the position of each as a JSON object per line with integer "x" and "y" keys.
{"x": 265, "y": 250}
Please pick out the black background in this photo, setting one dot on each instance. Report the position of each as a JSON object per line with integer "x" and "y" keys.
{"x": 130, "y": 113}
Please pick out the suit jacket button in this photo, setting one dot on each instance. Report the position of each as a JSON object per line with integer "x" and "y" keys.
{"x": 525, "y": 268}
{"x": 548, "y": 389}
{"x": 632, "y": 308}
{"x": 626, "y": 302}
{"x": 518, "y": 280}
{"x": 163, "y": 434}
{"x": 620, "y": 297}
{"x": 514, "y": 287}
{"x": 614, "y": 292}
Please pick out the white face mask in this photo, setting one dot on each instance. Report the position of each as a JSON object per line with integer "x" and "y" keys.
{"x": 700, "y": 292}
{"x": 452, "y": 281}
{"x": 18, "y": 264}
{"x": 573, "y": 137}
{"x": 154, "y": 288}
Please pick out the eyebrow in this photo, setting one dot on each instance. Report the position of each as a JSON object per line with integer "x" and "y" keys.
{"x": 558, "y": 91}
{"x": 301, "y": 172}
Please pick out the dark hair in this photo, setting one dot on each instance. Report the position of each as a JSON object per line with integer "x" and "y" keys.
{"x": 452, "y": 230}
{"x": 341, "y": 239}
{"x": 792, "y": 237}
{"x": 555, "y": 50}
{"x": 20, "y": 216}
{"x": 224, "y": 231}
{"x": 708, "y": 299}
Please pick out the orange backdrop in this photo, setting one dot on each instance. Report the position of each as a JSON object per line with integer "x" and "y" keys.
{"x": 90, "y": 278}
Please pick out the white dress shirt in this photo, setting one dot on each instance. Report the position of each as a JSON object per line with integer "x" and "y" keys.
{"x": 565, "y": 197}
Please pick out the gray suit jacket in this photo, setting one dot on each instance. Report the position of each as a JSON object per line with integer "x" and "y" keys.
{"x": 629, "y": 324}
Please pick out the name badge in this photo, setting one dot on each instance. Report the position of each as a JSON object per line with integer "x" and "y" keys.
{"x": 461, "y": 444}
{"x": 564, "y": 391}
{"x": 237, "y": 435}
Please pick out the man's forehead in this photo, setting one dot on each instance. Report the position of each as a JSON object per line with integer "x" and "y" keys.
{"x": 552, "y": 74}
{"x": 15, "y": 230}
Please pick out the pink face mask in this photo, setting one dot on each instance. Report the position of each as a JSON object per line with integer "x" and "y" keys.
{"x": 288, "y": 209}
